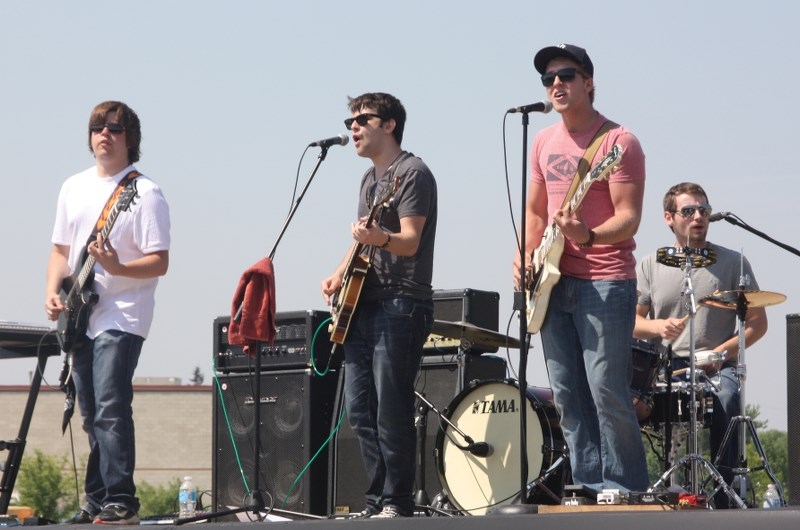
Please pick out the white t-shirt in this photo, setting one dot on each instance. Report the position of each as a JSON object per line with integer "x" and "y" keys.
{"x": 125, "y": 304}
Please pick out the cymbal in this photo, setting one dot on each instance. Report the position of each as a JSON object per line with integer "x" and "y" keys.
{"x": 728, "y": 299}
{"x": 473, "y": 336}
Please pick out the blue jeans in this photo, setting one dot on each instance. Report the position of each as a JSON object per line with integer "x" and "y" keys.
{"x": 586, "y": 338}
{"x": 103, "y": 372}
{"x": 382, "y": 355}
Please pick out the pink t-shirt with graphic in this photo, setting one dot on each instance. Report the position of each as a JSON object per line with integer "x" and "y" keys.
{"x": 554, "y": 161}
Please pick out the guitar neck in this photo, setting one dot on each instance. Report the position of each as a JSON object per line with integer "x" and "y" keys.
{"x": 88, "y": 265}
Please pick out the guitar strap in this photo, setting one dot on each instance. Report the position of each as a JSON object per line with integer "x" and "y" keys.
{"x": 112, "y": 199}
{"x": 585, "y": 163}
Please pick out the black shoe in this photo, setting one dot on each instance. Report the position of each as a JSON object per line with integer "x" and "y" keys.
{"x": 82, "y": 517}
{"x": 117, "y": 514}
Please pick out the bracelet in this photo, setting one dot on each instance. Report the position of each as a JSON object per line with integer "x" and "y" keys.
{"x": 388, "y": 240}
{"x": 590, "y": 241}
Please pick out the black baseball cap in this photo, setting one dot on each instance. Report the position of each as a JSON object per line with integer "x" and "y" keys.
{"x": 570, "y": 51}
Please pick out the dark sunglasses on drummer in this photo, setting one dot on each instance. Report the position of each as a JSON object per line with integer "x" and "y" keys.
{"x": 113, "y": 128}
{"x": 565, "y": 74}
{"x": 689, "y": 211}
{"x": 361, "y": 119}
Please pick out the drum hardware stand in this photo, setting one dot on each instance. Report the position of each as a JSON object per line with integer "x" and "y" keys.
{"x": 743, "y": 421}
{"x": 668, "y": 413}
{"x": 421, "y": 424}
{"x": 421, "y": 498}
{"x": 540, "y": 480}
{"x": 693, "y": 460}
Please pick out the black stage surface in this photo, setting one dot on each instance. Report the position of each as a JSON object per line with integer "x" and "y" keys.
{"x": 607, "y": 518}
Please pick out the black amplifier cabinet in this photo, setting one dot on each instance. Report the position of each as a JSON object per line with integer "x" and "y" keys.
{"x": 292, "y": 347}
{"x": 479, "y": 308}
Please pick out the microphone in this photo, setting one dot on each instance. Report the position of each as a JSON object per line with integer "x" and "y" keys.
{"x": 342, "y": 139}
{"x": 539, "y": 106}
{"x": 718, "y": 216}
{"x": 481, "y": 449}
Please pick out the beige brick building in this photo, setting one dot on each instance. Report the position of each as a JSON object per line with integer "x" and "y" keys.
{"x": 173, "y": 430}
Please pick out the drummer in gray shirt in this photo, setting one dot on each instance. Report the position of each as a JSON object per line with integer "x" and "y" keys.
{"x": 661, "y": 311}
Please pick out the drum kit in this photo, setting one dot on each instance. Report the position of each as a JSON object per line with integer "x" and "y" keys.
{"x": 700, "y": 402}
{"x": 478, "y": 476}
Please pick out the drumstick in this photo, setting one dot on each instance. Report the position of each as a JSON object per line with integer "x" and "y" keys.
{"x": 684, "y": 319}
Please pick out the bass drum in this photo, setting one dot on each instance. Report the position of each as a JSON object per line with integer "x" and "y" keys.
{"x": 488, "y": 412}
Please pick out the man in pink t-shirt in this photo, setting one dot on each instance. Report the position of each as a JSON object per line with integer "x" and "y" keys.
{"x": 587, "y": 330}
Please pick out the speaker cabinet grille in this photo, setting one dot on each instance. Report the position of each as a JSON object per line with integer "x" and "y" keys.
{"x": 295, "y": 418}
{"x": 793, "y": 405}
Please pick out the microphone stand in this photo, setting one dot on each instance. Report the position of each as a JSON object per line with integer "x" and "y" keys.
{"x": 734, "y": 220}
{"x": 256, "y": 501}
{"x": 524, "y": 340}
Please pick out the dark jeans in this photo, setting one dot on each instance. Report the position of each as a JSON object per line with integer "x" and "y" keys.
{"x": 382, "y": 357}
{"x": 103, "y": 372}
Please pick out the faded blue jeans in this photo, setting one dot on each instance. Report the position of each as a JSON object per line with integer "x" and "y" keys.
{"x": 586, "y": 338}
{"x": 382, "y": 357}
{"x": 103, "y": 372}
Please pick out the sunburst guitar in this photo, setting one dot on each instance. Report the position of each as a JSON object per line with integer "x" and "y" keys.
{"x": 547, "y": 256}
{"x": 345, "y": 300}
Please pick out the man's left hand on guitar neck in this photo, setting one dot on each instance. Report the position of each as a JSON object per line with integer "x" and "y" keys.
{"x": 572, "y": 228}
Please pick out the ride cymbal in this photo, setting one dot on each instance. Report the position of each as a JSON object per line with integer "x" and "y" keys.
{"x": 729, "y": 299}
{"x": 473, "y": 336}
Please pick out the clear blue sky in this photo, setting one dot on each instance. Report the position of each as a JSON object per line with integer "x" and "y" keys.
{"x": 230, "y": 93}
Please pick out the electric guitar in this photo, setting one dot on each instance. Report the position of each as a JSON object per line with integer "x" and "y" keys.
{"x": 76, "y": 289}
{"x": 547, "y": 256}
{"x": 345, "y": 299}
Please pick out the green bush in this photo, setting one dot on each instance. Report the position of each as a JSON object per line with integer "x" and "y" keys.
{"x": 43, "y": 486}
{"x": 158, "y": 500}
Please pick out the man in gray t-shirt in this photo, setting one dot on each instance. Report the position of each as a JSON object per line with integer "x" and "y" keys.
{"x": 662, "y": 309}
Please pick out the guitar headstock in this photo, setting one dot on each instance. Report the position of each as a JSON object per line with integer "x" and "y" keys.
{"x": 128, "y": 196}
{"x": 609, "y": 162}
{"x": 386, "y": 198}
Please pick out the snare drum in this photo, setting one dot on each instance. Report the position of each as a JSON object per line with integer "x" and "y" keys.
{"x": 488, "y": 411}
{"x": 646, "y": 364}
{"x": 679, "y": 405}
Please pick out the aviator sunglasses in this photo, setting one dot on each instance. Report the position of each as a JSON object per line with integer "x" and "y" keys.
{"x": 565, "y": 74}
{"x": 689, "y": 211}
{"x": 113, "y": 128}
{"x": 361, "y": 119}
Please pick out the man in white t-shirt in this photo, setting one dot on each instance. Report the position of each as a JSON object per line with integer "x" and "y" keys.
{"x": 128, "y": 263}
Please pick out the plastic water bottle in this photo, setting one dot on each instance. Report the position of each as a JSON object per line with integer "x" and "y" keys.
{"x": 771, "y": 498}
{"x": 187, "y": 498}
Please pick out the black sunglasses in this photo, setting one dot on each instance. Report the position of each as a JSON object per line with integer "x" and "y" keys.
{"x": 565, "y": 74}
{"x": 689, "y": 211}
{"x": 113, "y": 128}
{"x": 361, "y": 119}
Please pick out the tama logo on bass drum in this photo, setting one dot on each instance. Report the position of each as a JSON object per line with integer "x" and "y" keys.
{"x": 494, "y": 406}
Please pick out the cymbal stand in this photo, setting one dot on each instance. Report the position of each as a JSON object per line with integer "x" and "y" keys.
{"x": 742, "y": 421}
{"x": 693, "y": 460}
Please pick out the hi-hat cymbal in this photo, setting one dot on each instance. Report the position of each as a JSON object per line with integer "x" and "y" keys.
{"x": 473, "y": 336}
{"x": 728, "y": 299}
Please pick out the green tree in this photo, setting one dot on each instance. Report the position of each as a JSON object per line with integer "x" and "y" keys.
{"x": 44, "y": 487}
{"x": 197, "y": 376}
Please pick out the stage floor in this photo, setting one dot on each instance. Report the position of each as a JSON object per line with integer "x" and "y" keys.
{"x": 569, "y": 517}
